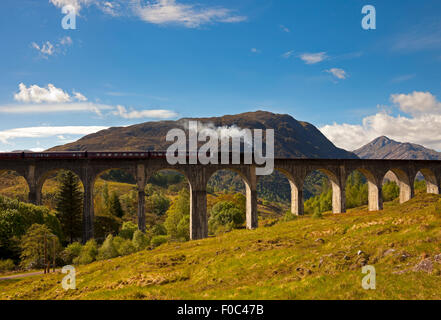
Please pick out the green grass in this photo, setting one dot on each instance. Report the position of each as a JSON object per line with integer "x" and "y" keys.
{"x": 302, "y": 259}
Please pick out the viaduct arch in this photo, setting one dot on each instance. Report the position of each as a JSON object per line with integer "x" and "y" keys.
{"x": 36, "y": 170}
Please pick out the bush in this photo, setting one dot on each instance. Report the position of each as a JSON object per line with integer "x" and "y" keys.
{"x": 158, "y": 240}
{"x": 140, "y": 241}
{"x": 6, "y": 265}
{"x": 225, "y": 216}
{"x": 126, "y": 248}
{"x": 158, "y": 230}
{"x": 157, "y": 204}
{"x": 390, "y": 191}
{"x": 88, "y": 253}
{"x": 71, "y": 252}
{"x": 105, "y": 225}
{"x": 127, "y": 230}
{"x": 177, "y": 223}
{"x": 107, "y": 249}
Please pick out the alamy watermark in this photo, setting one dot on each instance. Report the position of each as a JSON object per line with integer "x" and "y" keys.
{"x": 69, "y": 281}
{"x": 369, "y": 281}
{"x": 369, "y": 21}
{"x": 69, "y": 21}
{"x": 245, "y": 143}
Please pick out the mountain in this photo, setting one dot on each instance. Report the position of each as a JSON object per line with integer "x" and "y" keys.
{"x": 385, "y": 148}
{"x": 296, "y": 139}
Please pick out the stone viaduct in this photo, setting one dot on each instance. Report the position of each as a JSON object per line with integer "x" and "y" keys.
{"x": 36, "y": 171}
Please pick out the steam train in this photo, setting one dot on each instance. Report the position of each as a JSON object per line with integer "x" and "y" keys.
{"x": 83, "y": 155}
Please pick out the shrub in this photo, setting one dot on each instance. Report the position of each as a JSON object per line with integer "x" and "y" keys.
{"x": 178, "y": 217}
{"x": 158, "y": 230}
{"x": 6, "y": 265}
{"x": 225, "y": 215}
{"x": 127, "y": 230}
{"x": 126, "y": 248}
{"x": 140, "y": 241}
{"x": 88, "y": 253}
{"x": 157, "y": 204}
{"x": 107, "y": 249}
{"x": 71, "y": 252}
{"x": 390, "y": 191}
{"x": 105, "y": 225}
{"x": 158, "y": 240}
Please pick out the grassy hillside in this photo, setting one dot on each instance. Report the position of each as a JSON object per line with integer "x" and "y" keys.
{"x": 302, "y": 259}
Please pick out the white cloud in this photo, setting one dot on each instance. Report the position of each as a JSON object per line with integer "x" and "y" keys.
{"x": 48, "y": 49}
{"x": 288, "y": 54}
{"x": 312, "y": 58}
{"x": 255, "y": 50}
{"x": 338, "y": 73}
{"x": 47, "y": 132}
{"x": 190, "y": 16}
{"x": 417, "y": 103}
{"x": 135, "y": 114}
{"x": 36, "y": 99}
{"x": 78, "y": 96}
{"x": 77, "y": 4}
{"x": 37, "y": 94}
{"x": 55, "y": 108}
{"x": 422, "y": 127}
{"x": 159, "y": 11}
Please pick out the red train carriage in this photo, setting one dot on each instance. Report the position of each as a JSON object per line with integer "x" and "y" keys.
{"x": 117, "y": 155}
{"x": 11, "y": 155}
{"x": 84, "y": 154}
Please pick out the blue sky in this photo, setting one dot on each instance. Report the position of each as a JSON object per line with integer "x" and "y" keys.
{"x": 134, "y": 61}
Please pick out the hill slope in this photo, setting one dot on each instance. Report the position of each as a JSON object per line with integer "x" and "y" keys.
{"x": 292, "y": 138}
{"x": 302, "y": 259}
{"x": 385, "y": 148}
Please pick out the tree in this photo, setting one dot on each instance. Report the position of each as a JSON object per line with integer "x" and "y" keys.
{"x": 115, "y": 207}
{"x": 225, "y": 216}
{"x": 107, "y": 249}
{"x": 157, "y": 204}
{"x": 140, "y": 241}
{"x": 177, "y": 222}
{"x": 69, "y": 203}
{"x": 32, "y": 246}
{"x": 390, "y": 191}
{"x": 127, "y": 230}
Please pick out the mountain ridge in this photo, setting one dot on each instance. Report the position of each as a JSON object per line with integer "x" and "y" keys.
{"x": 386, "y": 148}
{"x": 293, "y": 138}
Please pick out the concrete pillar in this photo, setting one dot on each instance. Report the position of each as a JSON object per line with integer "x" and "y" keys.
{"x": 338, "y": 198}
{"x": 141, "y": 210}
{"x": 407, "y": 191}
{"x": 296, "y": 199}
{"x": 141, "y": 180}
{"x": 88, "y": 214}
{"x": 198, "y": 214}
{"x": 34, "y": 196}
{"x": 251, "y": 201}
{"x": 375, "y": 198}
{"x": 432, "y": 187}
